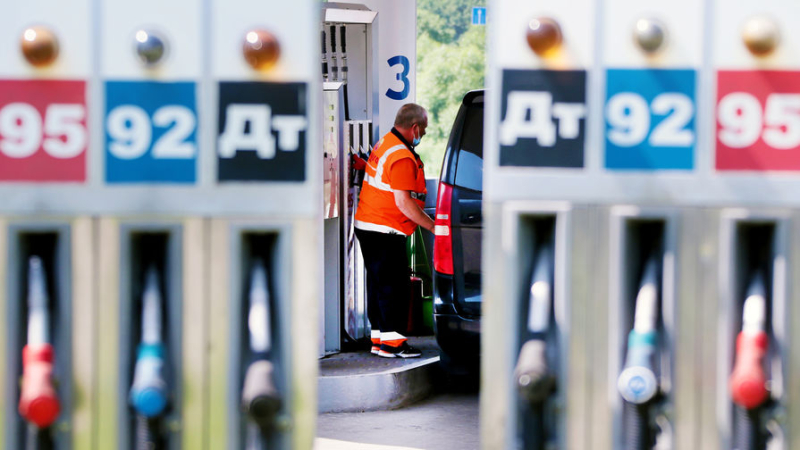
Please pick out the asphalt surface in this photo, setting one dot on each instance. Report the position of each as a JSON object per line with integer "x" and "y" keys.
{"x": 445, "y": 421}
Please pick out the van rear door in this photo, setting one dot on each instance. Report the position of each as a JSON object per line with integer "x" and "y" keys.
{"x": 466, "y": 177}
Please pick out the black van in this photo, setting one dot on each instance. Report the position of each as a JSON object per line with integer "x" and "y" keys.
{"x": 457, "y": 241}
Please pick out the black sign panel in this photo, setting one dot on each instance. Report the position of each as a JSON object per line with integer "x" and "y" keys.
{"x": 262, "y": 131}
{"x": 543, "y": 118}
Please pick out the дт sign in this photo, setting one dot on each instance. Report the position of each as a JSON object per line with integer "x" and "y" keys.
{"x": 43, "y": 134}
{"x": 758, "y": 120}
{"x": 262, "y": 132}
{"x": 543, "y": 118}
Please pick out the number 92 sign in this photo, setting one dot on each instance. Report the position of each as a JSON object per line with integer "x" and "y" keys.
{"x": 758, "y": 120}
{"x": 650, "y": 119}
{"x": 43, "y": 133}
{"x": 151, "y": 132}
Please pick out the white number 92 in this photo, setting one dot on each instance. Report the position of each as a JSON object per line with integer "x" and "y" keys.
{"x": 629, "y": 116}
{"x": 131, "y": 132}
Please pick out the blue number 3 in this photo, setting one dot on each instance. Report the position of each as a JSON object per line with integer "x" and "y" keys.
{"x": 403, "y": 76}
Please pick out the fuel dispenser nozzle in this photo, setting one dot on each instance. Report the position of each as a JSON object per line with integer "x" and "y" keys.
{"x": 362, "y": 155}
{"x": 343, "y": 30}
{"x": 533, "y": 377}
{"x": 748, "y": 380}
{"x": 334, "y": 65}
{"x": 38, "y": 402}
{"x": 261, "y": 400}
{"x": 324, "y": 56}
{"x": 638, "y": 383}
{"x": 149, "y": 391}
{"x": 343, "y": 35}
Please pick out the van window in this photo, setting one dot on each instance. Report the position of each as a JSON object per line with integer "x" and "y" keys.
{"x": 469, "y": 166}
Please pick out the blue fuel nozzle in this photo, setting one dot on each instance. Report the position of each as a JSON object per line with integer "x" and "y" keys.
{"x": 637, "y": 383}
{"x": 148, "y": 395}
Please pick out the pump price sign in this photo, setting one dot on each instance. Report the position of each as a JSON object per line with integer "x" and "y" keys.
{"x": 543, "y": 118}
{"x": 151, "y": 132}
{"x": 43, "y": 135}
{"x": 262, "y": 131}
{"x": 758, "y": 121}
{"x": 650, "y": 119}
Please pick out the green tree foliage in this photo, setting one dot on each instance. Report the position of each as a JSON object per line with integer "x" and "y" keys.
{"x": 445, "y": 20}
{"x": 450, "y": 62}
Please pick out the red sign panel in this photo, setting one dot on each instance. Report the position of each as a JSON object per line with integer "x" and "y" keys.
{"x": 758, "y": 120}
{"x": 43, "y": 135}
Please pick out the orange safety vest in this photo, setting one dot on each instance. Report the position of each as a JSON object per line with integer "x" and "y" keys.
{"x": 377, "y": 210}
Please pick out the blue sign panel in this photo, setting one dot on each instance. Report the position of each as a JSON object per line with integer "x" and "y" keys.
{"x": 151, "y": 132}
{"x": 479, "y": 15}
{"x": 650, "y": 119}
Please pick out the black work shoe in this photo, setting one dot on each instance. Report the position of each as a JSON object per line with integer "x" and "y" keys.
{"x": 404, "y": 351}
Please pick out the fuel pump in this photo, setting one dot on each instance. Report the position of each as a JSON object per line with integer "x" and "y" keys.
{"x": 38, "y": 402}
{"x": 261, "y": 400}
{"x": 637, "y": 383}
{"x": 534, "y": 378}
{"x": 149, "y": 392}
{"x": 748, "y": 380}
{"x": 372, "y": 64}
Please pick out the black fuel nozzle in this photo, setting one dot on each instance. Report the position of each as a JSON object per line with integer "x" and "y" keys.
{"x": 534, "y": 379}
{"x": 369, "y": 144}
{"x": 361, "y": 173}
{"x": 261, "y": 400}
{"x": 334, "y": 65}
{"x": 324, "y": 56}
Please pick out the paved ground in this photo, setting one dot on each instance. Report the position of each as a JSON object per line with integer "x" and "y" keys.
{"x": 363, "y": 362}
{"x": 447, "y": 421}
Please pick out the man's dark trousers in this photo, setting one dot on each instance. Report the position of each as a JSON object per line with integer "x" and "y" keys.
{"x": 388, "y": 279}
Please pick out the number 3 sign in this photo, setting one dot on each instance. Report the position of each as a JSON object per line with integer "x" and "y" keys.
{"x": 758, "y": 120}
{"x": 43, "y": 133}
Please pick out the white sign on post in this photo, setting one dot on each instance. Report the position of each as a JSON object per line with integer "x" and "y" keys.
{"x": 397, "y": 58}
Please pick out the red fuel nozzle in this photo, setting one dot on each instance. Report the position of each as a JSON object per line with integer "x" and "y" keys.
{"x": 748, "y": 382}
{"x": 359, "y": 163}
{"x": 38, "y": 402}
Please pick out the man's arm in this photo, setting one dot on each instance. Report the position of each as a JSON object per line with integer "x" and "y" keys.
{"x": 411, "y": 209}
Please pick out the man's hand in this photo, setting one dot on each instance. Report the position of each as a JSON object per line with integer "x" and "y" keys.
{"x": 411, "y": 209}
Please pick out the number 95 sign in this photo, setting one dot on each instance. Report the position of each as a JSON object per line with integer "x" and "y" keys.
{"x": 758, "y": 120}
{"x": 43, "y": 133}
